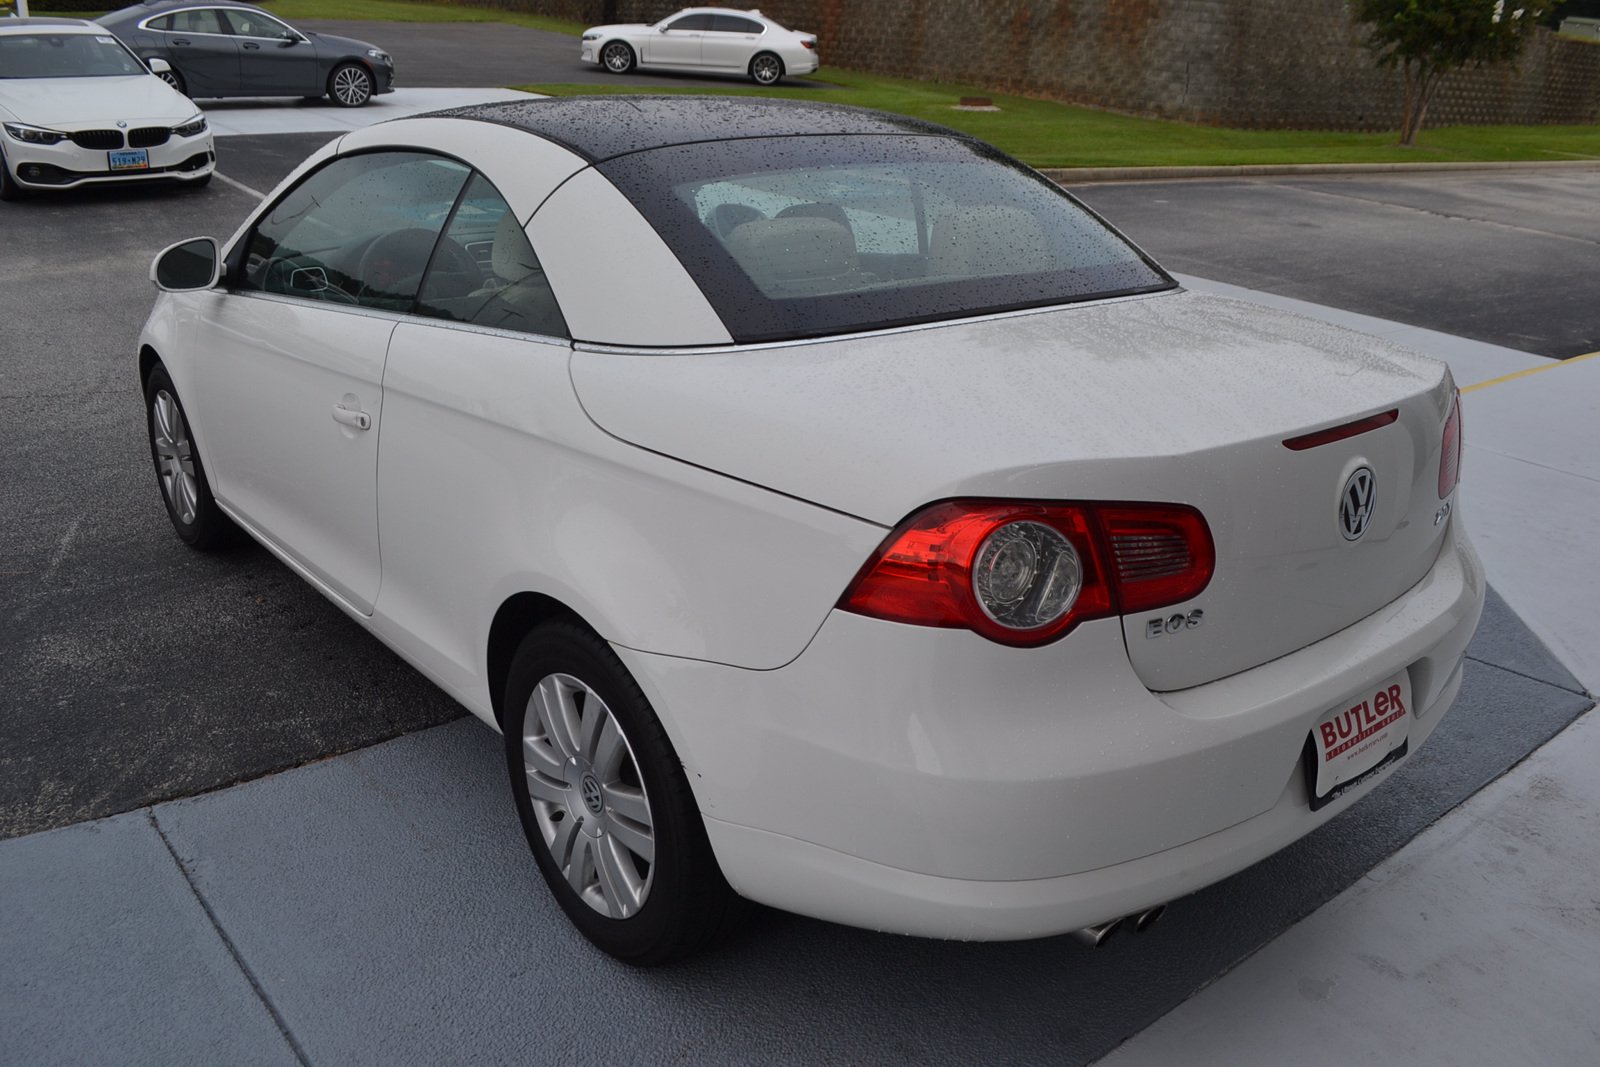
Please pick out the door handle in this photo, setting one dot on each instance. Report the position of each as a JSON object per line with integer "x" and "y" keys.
{"x": 250, "y": 46}
{"x": 182, "y": 40}
{"x": 346, "y": 417}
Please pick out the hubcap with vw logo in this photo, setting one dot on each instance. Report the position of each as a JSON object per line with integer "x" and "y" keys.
{"x": 1356, "y": 501}
{"x": 587, "y": 795}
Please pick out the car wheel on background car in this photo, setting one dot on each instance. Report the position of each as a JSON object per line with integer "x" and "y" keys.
{"x": 766, "y": 69}
{"x": 350, "y": 85}
{"x": 9, "y": 189}
{"x": 617, "y": 57}
{"x": 174, "y": 79}
{"x": 179, "y": 472}
{"x": 604, "y": 802}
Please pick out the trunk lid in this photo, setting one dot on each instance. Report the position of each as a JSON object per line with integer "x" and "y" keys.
{"x": 1176, "y": 397}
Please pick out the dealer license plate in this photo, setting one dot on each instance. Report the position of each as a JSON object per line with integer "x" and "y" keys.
{"x": 133, "y": 159}
{"x": 1358, "y": 737}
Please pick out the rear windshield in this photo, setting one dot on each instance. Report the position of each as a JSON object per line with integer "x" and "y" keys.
{"x": 65, "y": 55}
{"x": 810, "y": 236}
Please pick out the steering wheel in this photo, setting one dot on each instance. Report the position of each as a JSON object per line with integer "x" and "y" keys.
{"x": 395, "y": 258}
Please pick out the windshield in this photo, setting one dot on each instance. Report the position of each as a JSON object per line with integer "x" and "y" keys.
{"x": 65, "y": 55}
{"x": 810, "y": 236}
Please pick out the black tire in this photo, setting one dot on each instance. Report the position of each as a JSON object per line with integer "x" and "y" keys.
{"x": 686, "y": 904}
{"x": 617, "y": 57}
{"x": 350, "y": 85}
{"x": 203, "y": 527}
{"x": 174, "y": 79}
{"x": 194, "y": 185}
{"x": 9, "y": 189}
{"x": 766, "y": 69}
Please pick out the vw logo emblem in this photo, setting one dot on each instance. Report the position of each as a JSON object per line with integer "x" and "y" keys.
{"x": 591, "y": 793}
{"x": 1355, "y": 503}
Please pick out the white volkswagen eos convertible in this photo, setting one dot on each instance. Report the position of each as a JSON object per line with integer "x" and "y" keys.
{"x": 77, "y": 108}
{"x": 829, "y": 511}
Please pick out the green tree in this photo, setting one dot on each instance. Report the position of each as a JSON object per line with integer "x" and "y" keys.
{"x": 1427, "y": 39}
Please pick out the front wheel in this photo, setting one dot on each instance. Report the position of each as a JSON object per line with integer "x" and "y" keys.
{"x": 195, "y": 516}
{"x": 766, "y": 69}
{"x": 350, "y": 85}
{"x": 604, "y": 802}
{"x": 9, "y": 189}
{"x": 617, "y": 57}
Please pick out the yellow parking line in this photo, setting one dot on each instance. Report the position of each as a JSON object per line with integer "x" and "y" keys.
{"x": 1552, "y": 365}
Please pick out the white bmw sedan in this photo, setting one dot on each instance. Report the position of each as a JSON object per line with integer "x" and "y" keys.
{"x": 706, "y": 40}
{"x": 828, "y": 510}
{"x": 77, "y": 108}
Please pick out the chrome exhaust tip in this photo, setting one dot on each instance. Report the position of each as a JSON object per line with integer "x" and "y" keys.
{"x": 1148, "y": 918}
{"x": 1095, "y": 936}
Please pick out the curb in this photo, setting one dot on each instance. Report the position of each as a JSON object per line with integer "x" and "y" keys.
{"x": 1077, "y": 175}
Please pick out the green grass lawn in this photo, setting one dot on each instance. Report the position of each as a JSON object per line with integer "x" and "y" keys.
{"x": 1042, "y": 132}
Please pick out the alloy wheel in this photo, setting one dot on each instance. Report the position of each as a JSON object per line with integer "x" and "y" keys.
{"x": 618, "y": 58}
{"x": 588, "y": 798}
{"x": 175, "y": 457}
{"x": 352, "y": 86}
{"x": 766, "y": 69}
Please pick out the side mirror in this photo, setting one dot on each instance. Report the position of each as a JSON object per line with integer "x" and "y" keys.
{"x": 291, "y": 39}
{"x": 187, "y": 266}
{"x": 158, "y": 65}
{"x": 661, "y": 28}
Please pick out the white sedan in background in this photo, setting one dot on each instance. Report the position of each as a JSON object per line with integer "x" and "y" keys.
{"x": 77, "y": 108}
{"x": 706, "y": 40}
{"x": 828, "y": 510}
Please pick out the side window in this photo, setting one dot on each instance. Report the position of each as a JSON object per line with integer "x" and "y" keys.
{"x": 734, "y": 24}
{"x": 204, "y": 20}
{"x": 485, "y": 272}
{"x": 163, "y": 23}
{"x": 247, "y": 23}
{"x": 698, "y": 23}
{"x": 358, "y": 231}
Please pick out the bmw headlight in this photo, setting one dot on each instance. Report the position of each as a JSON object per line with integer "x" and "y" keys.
{"x": 33, "y": 134}
{"x": 379, "y": 55}
{"x": 591, "y": 37}
{"x": 192, "y": 127}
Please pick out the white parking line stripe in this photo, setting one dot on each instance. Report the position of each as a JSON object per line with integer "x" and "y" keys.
{"x": 241, "y": 186}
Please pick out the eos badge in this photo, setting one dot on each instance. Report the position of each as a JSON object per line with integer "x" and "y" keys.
{"x": 1171, "y": 624}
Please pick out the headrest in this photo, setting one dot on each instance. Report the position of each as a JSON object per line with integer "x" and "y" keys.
{"x": 793, "y": 253}
{"x": 996, "y": 239}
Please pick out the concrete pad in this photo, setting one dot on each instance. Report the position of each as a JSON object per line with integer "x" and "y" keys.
{"x": 1503, "y": 640}
{"x": 275, "y": 115}
{"x": 106, "y": 956}
{"x": 388, "y": 907}
{"x": 1535, "y": 529}
{"x": 1476, "y": 943}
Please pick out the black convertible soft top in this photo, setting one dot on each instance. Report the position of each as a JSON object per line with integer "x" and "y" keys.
{"x": 604, "y": 127}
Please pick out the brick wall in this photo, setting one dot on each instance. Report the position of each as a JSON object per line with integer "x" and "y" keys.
{"x": 1247, "y": 63}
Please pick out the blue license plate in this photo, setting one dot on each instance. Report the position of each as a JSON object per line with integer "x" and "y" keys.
{"x": 136, "y": 159}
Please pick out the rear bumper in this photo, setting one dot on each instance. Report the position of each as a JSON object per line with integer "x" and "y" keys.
{"x": 929, "y": 782}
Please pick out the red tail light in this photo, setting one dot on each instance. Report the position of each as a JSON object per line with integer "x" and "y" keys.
{"x": 1450, "y": 451}
{"x": 1164, "y": 554}
{"x": 1026, "y": 573}
{"x": 808, "y": 44}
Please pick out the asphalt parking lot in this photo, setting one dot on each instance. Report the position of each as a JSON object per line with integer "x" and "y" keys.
{"x": 1504, "y": 258}
{"x": 133, "y": 670}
